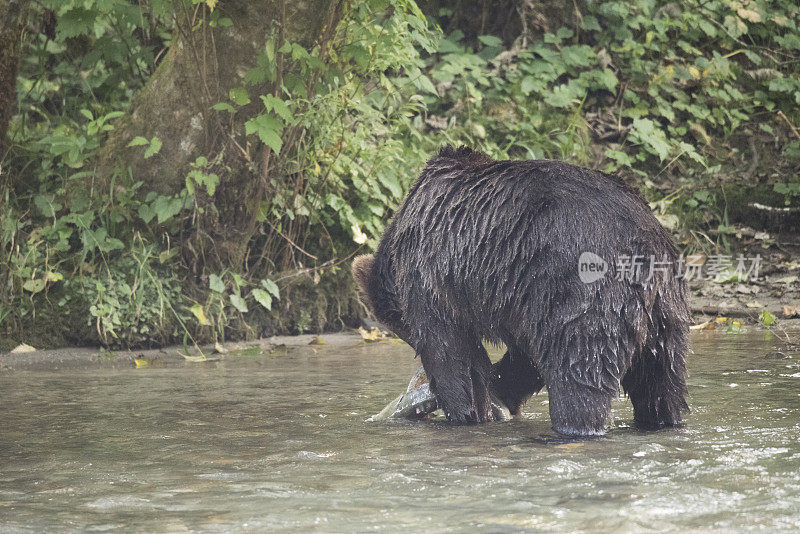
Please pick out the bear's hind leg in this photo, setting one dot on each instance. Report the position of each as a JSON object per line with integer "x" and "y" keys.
{"x": 582, "y": 373}
{"x": 577, "y": 409}
{"x": 459, "y": 372}
{"x": 515, "y": 378}
{"x": 656, "y": 380}
{"x": 655, "y": 392}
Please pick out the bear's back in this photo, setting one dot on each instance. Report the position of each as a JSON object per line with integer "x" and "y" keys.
{"x": 486, "y": 236}
{"x": 466, "y": 195}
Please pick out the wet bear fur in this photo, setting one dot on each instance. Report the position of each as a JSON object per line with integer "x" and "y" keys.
{"x": 488, "y": 250}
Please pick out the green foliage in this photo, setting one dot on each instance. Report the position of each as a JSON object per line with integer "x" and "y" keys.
{"x": 788, "y": 190}
{"x": 351, "y": 102}
{"x": 131, "y": 301}
{"x": 699, "y": 69}
{"x": 153, "y": 145}
{"x": 680, "y": 96}
{"x": 513, "y": 103}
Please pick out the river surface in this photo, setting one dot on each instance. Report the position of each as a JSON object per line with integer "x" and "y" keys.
{"x": 278, "y": 442}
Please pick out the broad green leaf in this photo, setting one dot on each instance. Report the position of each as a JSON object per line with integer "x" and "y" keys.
{"x": 34, "y": 286}
{"x": 238, "y": 280}
{"x": 783, "y": 85}
{"x": 111, "y": 243}
{"x": 268, "y": 129}
{"x": 152, "y": 150}
{"x": 52, "y": 276}
{"x": 166, "y": 207}
{"x": 223, "y": 106}
{"x": 239, "y": 96}
{"x": 211, "y": 181}
{"x": 239, "y": 303}
{"x": 529, "y": 84}
{"x": 166, "y": 255}
{"x": 490, "y": 40}
{"x": 263, "y": 298}
{"x": 578, "y": 55}
{"x": 215, "y": 283}
{"x": 146, "y": 213}
{"x": 47, "y": 205}
{"x": 563, "y": 96}
{"x": 76, "y": 21}
{"x": 271, "y": 286}
{"x": 590, "y": 23}
{"x": 139, "y": 141}
{"x": 391, "y": 182}
{"x": 272, "y": 103}
{"x": 646, "y": 132}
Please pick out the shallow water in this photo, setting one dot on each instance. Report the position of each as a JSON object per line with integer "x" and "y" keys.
{"x": 279, "y": 442}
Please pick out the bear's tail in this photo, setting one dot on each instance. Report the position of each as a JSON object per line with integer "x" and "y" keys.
{"x": 656, "y": 381}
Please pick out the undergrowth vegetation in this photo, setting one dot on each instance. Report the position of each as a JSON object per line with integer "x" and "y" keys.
{"x": 686, "y": 100}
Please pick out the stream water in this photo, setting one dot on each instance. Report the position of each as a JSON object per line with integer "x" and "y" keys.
{"x": 278, "y": 442}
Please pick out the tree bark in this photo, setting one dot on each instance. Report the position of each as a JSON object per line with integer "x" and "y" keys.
{"x": 13, "y": 16}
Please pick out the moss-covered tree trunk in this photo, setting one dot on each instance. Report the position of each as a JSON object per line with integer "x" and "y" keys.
{"x": 203, "y": 65}
{"x": 198, "y": 71}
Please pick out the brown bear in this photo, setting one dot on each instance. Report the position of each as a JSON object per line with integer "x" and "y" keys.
{"x": 564, "y": 265}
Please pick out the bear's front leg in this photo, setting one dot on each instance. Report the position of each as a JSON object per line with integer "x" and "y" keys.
{"x": 459, "y": 371}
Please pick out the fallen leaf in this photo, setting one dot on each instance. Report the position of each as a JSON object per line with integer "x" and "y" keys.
{"x": 745, "y": 290}
{"x": 754, "y": 304}
{"x": 189, "y": 358}
{"x": 140, "y": 363}
{"x": 708, "y": 325}
{"x": 375, "y": 334}
{"x": 791, "y": 311}
{"x": 696, "y": 259}
{"x": 668, "y": 220}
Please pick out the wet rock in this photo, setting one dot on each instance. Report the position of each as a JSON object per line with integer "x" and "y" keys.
{"x": 775, "y": 356}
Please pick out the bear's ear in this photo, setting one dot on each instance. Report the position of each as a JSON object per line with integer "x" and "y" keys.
{"x": 362, "y": 271}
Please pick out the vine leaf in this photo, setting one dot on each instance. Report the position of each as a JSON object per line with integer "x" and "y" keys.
{"x": 268, "y": 129}
{"x": 239, "y": 303}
